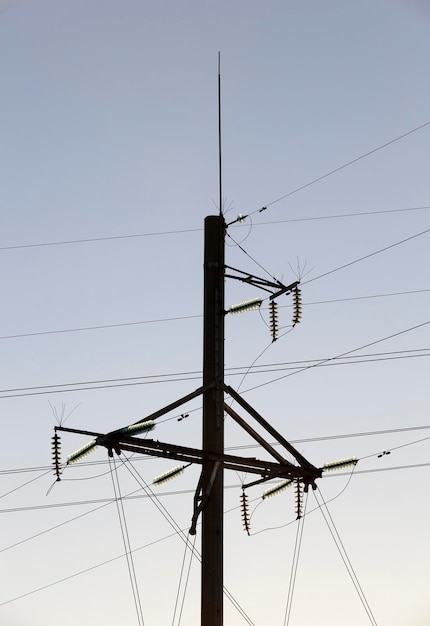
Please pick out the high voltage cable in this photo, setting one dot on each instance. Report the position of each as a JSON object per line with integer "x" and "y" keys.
{"x": 181, "y": 492}
{"x": 102, "y": 326}
{"x": 339, "y": 216}
{"x": 188, "y": 317}
{"x": 119, "y": 501}
{"x": 95, "y": 239}
{"x": 341, "y": 167}
{"x": 196, "y": 230}
{"x": 339, "y": 356}
{"x": 92, "y": 568}
{"x": 367, "y": 256}
{"x": 344, "y": 556}
{"x": 297, "y": 366}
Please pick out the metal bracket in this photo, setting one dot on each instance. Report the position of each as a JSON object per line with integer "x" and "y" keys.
{"x": 200, "y": 500}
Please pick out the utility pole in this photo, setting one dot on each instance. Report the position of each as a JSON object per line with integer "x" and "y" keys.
{"x": 209, "y": 495}
{"x": 213, "y": 423}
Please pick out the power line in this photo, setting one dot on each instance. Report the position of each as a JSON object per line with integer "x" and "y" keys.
{"x": 339, "y": 356}
{"x": 190, "y": 491}
{"x": 66, "y": 242}
{"x": 234, "y": 371}
{"x": 96, "y": 239}
{"x": 341, "y": 167}
{"x": 344, "y": 556}
{"x": 367, "y": 256}
{"x": 341, "y": 216}
{"x": 100, "y": 327}
{"x": 189, "y": 317}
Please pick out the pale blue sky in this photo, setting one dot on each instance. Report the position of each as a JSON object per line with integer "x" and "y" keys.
{"x": 108, "y": 126}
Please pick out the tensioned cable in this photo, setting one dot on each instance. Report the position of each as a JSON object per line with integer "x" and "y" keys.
{"x": 194, "y": 375}
{"x": 329, "y": 362}
{"x": 40, "y": 507}
{"x": 337, "y": 169}
{"x": 25, "y": 484}
{"x": 101, "y": 327}
{"x": 195, "y": 230}
{"x": 367, "y": 256}
{"x": 340, "y": 216}
{"x": 178, "y": 530}
{"x": 126, "y": 541}
{"x": 295, "y": 563}
{"x": 107, "y": 562}
{"x": 180, "y": 582}
{"x": 344, "y": 555}
{"x": 189, "y": 317}
{"x": 69, "y": 521}
{"x": 372, "y": 343}
{"x": 93, "y": 239}
{"x": 187, "y": 579}
{"x": 175, "y": 533}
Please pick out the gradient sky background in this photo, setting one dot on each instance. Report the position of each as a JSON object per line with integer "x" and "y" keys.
{"x": 108, "y": 167}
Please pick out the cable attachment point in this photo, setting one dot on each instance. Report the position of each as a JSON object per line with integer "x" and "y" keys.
{"x": 245, "y": 512}
{"x": 273, "y": 324}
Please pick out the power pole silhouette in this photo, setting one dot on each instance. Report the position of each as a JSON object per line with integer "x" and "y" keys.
{"x": 209, "y": 495}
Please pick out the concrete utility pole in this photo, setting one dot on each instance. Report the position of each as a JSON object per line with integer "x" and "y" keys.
{"x": 213, "y": 423}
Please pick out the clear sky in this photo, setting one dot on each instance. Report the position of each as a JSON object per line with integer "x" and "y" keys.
{"x": 109, "y": 165}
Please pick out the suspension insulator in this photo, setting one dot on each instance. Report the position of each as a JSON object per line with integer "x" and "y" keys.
{"x": 297, "y": 306}
{"x": 299, "y": 498}
{"x": 274, "y": 320}
{"x": 245, "y": 512}
{"x": 56, "y": 455}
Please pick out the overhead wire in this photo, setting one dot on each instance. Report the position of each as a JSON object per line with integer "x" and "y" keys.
{"x": 343, "y": 354}
{"x": 295, "y": 563}
{"x": 179, "y": 531}
{"x": 340, "y": 216}
{"x": 40, "y": 507}
{"x": 187, "y": 580}
{"x": 128, "y": 552}
{"x": 100, "y": 327}
{"x": 367, "y": 256}
{"x": 344, "y": 556}
{"x": 185, "y": 376}
{"x": 337, "y": 169}
{"x": 188, "y": 317}
{"x": 197, "y": 230}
